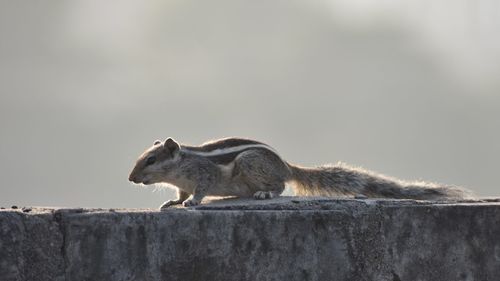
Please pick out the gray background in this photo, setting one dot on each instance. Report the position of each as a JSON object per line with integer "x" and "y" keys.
{"x": 406, "y": 88}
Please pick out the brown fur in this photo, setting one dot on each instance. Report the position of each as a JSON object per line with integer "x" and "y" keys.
{"x": 246, "y": 168}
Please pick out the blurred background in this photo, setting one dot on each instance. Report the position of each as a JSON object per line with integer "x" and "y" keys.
{"x": 406, "y": 88}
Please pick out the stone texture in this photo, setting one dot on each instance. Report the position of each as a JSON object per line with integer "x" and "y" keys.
{"x": 30, "y": 246}
{"x": 281, "y": 239}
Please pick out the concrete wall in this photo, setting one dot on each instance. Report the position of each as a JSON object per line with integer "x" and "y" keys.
{"x": 280, "y": 239}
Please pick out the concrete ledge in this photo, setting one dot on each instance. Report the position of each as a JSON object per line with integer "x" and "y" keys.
{"x": 281, "y": 239}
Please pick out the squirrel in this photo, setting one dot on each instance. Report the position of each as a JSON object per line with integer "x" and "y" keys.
{"x": 248, "y": 168}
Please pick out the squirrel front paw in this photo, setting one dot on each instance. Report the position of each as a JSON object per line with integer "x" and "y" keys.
{"x": 190, "y": 203}
{"x": 168, "y": 204}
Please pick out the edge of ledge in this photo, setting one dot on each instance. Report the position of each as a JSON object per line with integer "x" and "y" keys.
{"x": 284, "y": 203}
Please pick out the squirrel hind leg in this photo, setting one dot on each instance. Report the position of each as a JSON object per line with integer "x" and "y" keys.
{"x": 267, "y": 187}
{"x": 261, "y": 170}
{"x": 264, "y": 186}
{"x": 261, "y": 195}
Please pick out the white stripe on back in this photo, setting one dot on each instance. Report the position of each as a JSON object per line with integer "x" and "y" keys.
{"x": 228, "y": 150}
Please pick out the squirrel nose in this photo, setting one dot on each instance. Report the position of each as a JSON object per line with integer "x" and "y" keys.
{"x": 132, "y": 179}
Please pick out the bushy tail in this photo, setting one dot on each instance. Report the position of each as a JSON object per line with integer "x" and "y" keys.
{"x": 343, "y": 180}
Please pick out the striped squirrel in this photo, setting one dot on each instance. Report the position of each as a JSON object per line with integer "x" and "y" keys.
{"x": 245, "y": 168}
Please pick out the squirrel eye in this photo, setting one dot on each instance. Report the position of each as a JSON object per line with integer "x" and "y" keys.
{"x": 150, "y": 160}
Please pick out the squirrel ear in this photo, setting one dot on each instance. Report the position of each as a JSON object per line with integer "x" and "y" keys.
{"x": 157, "y": 142}
{"x": 171, "y": 145}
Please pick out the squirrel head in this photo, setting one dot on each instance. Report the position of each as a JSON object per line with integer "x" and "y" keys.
{"x": 152, "y": 165}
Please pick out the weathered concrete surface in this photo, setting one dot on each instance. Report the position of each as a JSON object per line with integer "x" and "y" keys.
{"x": 30, "y": 246}
{"x": 283, "y": 239}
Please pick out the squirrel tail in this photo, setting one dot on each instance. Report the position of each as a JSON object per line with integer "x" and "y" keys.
{"x": 344, "y": 180}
